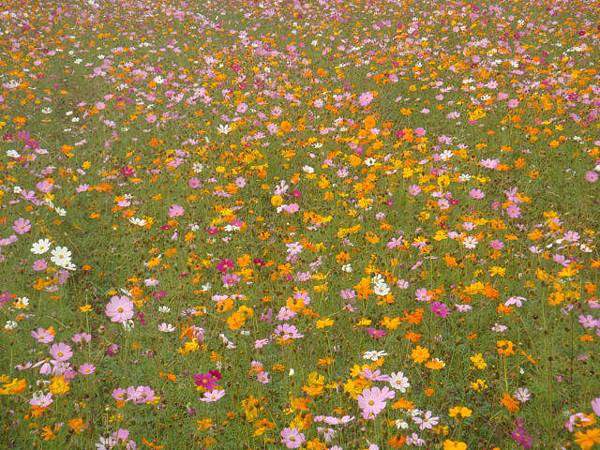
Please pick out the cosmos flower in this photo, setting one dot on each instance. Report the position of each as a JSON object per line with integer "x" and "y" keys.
{"x": 372, "y": 401}
{"x": 61, "y": 352}
{"x": 40, "y": 247}
{"x": 119, "y": 309}
{"x": 212, "y": 396}
{"x": 292, "y": 438}
{"x": 21, "y": 226}
{"x": 399, "y": 381}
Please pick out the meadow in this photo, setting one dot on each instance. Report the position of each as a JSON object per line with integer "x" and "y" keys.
{"x": 315, "y": 224}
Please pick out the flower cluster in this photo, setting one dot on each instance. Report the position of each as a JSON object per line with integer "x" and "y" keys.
{"x": 307, "y": 224}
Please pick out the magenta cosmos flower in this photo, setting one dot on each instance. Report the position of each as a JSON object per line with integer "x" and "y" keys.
{"x": 373, "y": 401}
{"x": 119, "y": 309}
{"x": 292, "y": 438}
{"x": 207, "y": 381}
{"x": 440, "y": 309}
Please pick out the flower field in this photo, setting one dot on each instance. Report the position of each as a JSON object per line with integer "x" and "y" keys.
{"x": 315, "y": 224}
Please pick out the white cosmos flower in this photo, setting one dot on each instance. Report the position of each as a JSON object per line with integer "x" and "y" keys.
{"x": 399, "y": 381}
{"x": 499, "y": 328}
{"x": 370, "y": 162}
{"x": 374, "y": 355}
{"x": 40, "y": 247}
{"x": 522, "y": 394}
{"x": 470, "y": 242}
{"x": 61, "y": 256}
{"x": 426, "y": 422}
{"x": 223, "y": 129}
{"x": 446, "y": 155}
{"x": 166, "y": 327}
{"x": 137, "y": 221}
{"x": 517, "y": 301}
{"x": 401, "y": 424}
{"x": 380, "y": 287}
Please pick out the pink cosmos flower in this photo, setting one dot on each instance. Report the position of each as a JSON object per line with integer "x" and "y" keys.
{"x": 347, "y": 294}
{"x": 263, "y": 377}
{"x": 365, "y": 98}
{"x": 119, "y": 309}
{"x": 230, "y": 279}
{"x": 477, "y": 194}
{"x": 61, "y": 352}
{"x": 9, "y": 240}
{"x": 194, "y": 183}
{"x": 80, "y": 338}
{"x": 41, "y": 400}
{"x": 119, "y": 394}
{"x": 21, "y": 226}
{"x": 140, "y": 395}
{"x": 213, "y": 396}
{"x": 489, "y": 163}
{"x": 513, "y": 211}
{"x": 372, "y": 401}
{"x": 422, "y": 295}
{"x": 176, "y": 210}
{"x": 87, "y": 369}
{"x": 571, "y": 236}
{"x": 42, "y": 335}
{"x": 591, "y": 176}
{"x": 242, "y": 108}
{"x": 496, "y": 244}
{"x": 394, "y": 243}
{"x": 260, "y": 343}
{"x": 45, "y": 186}
{"x": 39, "y": 265}
{"x": 292, "y": 438}
{"x": 287, "y": 332}
{"x": 414, "y": 190}
{"x": 291, "y": 208}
